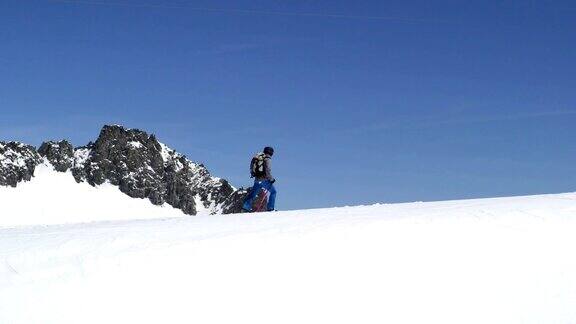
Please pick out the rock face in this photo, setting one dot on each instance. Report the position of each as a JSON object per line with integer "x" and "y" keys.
{"x": 17, "y": 163}
{"x": 137, "y": 163}
{"x": 59, "y": 154}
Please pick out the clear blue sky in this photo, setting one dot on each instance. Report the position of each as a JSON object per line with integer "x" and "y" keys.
{"x": 364, "y": 101}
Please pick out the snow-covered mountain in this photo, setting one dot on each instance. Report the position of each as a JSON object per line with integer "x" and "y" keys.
{"x": 506, "y": 260}
{"x": 130, "y": 159}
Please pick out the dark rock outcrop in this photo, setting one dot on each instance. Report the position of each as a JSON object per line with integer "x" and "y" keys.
{"x": 137, "y": 163}
{"x": 17, "y": 163}
{"x": 233, "y": 204}
{"x": 142, "y": 167}
{"x": 59, "y": 154}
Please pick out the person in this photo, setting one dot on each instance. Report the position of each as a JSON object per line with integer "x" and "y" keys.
{"x": 261, "y": 170}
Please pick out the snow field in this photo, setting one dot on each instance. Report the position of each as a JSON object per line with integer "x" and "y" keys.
{"x": 507, "y": 260}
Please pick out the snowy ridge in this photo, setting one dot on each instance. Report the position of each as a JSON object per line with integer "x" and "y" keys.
{"x": 134, "y": 161}
{"x": 170, "y": 156}
{"x": 505, "y": 260}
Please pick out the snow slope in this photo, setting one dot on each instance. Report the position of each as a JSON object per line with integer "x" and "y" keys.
{"x": 46, "y": 199}
{"x": 506, "y": 260}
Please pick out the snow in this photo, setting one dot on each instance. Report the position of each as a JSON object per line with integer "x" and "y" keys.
{"x": 166, "y": 152}
{"x": 54, "y": 197}
{"x": 135, "y": 144}
{"x": 202, "y": 210}
{"x": 169, "y": 154}
{"x": 11, "y": 158}
{"x": 505, "y": 260}
{"x": 81, "y": 155}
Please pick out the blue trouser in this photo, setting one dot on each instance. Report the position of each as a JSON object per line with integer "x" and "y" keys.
{"x": 258, "y": 185}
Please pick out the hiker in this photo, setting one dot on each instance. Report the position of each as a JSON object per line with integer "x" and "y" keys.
{"x": 260, "y": 170}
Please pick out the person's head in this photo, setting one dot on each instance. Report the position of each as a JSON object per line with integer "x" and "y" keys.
{"x": 268, "y": 151}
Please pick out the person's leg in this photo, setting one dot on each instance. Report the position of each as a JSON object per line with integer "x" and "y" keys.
{"x": 253, "y": 193}
{"x": 271, "y": 197}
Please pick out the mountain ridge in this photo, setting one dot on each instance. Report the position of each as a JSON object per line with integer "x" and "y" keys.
{"x": 131, "y": 159}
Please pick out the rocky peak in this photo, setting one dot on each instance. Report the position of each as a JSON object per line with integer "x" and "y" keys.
{"x": 142, "y": 167}
{"x": 17, "y": 163}
{"x": 117, "y": 154}
{"x": 59, "y": 154}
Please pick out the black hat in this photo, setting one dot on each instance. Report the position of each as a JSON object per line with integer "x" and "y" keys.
{"x": 268, "y": 150}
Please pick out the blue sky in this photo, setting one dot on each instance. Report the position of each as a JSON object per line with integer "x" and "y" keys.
{"x": 371, "y": 101}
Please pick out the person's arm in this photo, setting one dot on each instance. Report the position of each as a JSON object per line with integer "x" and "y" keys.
{"x": 268, "y": 168}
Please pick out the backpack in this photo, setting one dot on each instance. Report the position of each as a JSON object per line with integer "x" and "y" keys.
{"x": 257, "y": 168}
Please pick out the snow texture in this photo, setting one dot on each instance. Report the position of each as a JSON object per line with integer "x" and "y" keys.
{"x": 80, "y": 156}
{"x": 57, "y": 198}
{"x": 505, "y": 260}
